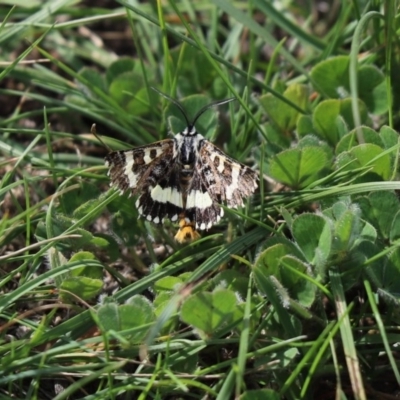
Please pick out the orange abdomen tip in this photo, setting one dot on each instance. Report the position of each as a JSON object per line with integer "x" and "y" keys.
{"x": 187, "y": 232}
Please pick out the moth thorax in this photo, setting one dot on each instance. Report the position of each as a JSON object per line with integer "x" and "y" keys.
{"x": 187, "y": 152}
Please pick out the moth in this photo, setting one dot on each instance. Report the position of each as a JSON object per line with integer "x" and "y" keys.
{"x": 184, "y": 179}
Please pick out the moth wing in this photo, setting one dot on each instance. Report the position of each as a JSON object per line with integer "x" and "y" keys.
{"x": 201, "y": 206}
{"x": 163, "y": 199}
{"x": 227, "y": 180}
{"x": 136, "y": 168}
{"x": 151, "y": 172}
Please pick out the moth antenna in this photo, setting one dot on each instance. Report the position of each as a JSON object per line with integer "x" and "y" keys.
{"x": 94, "y": 133}
{"x": 208, "y": 106}
{"x": 173, "y": 101}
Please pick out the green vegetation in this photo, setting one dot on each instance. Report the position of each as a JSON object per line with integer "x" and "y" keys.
{"x": 295, "y": 296}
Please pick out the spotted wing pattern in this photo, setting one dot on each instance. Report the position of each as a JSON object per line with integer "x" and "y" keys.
{"x": 140, "y": 167}
{"x": 217, "y": 179}
{"x": 163, "y": 199}
{"x": 151, "y": 172}
{"x": 188, "y": 194}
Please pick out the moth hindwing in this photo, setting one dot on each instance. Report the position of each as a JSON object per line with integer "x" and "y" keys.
{"x": 184, "y": 179}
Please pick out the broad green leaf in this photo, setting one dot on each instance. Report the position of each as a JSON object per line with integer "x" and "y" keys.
{"x": 299, "y": 288}
{"x": 315, "y": 141}
{"x": 342, "y": 127}
{"x": 346, "y": 111}
{"x": 340, "y": 207}
{"x": 82, "y": 287}
{"x": 141, "y": 303}
{"x": 389, "y": 137}
{"x": 277, "y": 243}
{"x": 347, "y": 230}
{"x": 130, "y": 93}
{"x": 218, "y": 89}
{"x": 331, "y": 117}
{"x": 277, "y": 141}
{"x": 74, "y": 199}
{"x": 109, "y": 317}
{"x": 89, "y": 207}
{"x": 351, "y": 139}
{"x": 372, "y": 89}
{"x": 94, "y": 77}
{"x": 87, "y": 271}
{"x": 368, "y": 233}
{"x": 313, "y": 235}
{"x": 304, "y": 125}
{"x": 270, "y": 286}
{"x": 269, "y": 259}
{"x": 140, "y": 104}
{"x": 325, "y": 120}
{"x": 162, "y": 297}
{"x": 282, "y": 297}
{"x": 168, "y": 283}
{"x": 119, "y": 67}
{"x": 380, "y": 208}
{"x": 298, "y": 168}
{"x": 124, "y": 87}
{"x": 136, "y": 313}
{"x": 86, "y": 237}
{"x": 233, "y": 280}
{"x": 209, "y": 312}
{"x": 278, "y": 261}
{"x": 332, "y": 76}
{"x": 284, "y": 116}
{"x": 371, "y": 157}
{"x": 100, "y": 242}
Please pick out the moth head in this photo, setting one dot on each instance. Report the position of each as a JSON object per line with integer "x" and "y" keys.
{"x": 190, "y": 129}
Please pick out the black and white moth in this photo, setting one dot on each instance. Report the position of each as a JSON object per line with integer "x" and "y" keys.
{"x": 183, "y": 179}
